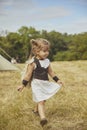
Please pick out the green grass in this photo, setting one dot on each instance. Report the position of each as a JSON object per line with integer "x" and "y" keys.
{"x": 67, "y": 110}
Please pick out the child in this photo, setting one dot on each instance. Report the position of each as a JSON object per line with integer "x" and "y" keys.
{"x": 39, "y": 68}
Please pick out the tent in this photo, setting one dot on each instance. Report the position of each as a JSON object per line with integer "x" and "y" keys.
{"x": 6, "y": 65}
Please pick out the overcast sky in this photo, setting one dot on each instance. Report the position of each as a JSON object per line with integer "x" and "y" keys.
{"x": 68, "y": 16}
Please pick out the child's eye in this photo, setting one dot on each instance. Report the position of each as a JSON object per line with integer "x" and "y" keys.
{"x": 45, "y": 51}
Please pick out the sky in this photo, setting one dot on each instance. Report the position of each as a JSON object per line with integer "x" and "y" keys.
{"x": 64, "y": 16}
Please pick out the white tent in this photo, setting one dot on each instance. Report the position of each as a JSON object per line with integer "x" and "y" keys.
{"x": 6, "y": 65}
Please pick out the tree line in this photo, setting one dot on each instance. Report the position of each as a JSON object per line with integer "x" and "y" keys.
{"x": 63, "y": 46}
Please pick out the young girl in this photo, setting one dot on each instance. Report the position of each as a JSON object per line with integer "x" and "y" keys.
{"x": 39, "y": 68}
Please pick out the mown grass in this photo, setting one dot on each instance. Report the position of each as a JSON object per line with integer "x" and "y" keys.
{"x": 67, "y": 110}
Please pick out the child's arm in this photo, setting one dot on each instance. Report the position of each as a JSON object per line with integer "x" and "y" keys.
{"x": 27, "y": 76}
{"x": 53, "y": 75}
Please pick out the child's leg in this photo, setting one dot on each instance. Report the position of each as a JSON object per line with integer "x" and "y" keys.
{"x": 36, "y": 108}
{"x": 41, "y": 109}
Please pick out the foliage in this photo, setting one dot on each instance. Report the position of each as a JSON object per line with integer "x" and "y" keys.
{"x": 63, "y": 46}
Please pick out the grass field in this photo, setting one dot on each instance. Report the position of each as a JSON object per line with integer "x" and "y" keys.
{"x": 67, "y": 110}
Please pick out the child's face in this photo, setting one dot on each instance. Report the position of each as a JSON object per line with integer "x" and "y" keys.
{"x": 43, "y": 53}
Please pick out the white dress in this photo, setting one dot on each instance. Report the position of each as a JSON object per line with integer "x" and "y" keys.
{"x": 43, "y": 89}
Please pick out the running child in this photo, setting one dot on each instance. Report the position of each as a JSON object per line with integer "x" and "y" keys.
{"x": 39, "y": 68}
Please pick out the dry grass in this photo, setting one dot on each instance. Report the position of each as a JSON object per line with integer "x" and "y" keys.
{"x": 67, "y": 110}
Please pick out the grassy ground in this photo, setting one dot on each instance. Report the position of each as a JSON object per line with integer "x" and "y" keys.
{"x": 67, "y": 110}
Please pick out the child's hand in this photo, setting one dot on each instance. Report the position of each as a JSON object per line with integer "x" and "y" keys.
{"x": 20, "y": 88}
{"x": 60, "y": 83}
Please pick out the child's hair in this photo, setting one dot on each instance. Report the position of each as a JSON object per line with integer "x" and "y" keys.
{"x": 38, "y": 44}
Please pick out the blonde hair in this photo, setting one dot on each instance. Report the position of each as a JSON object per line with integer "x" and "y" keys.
{"x": 38, "y": 44}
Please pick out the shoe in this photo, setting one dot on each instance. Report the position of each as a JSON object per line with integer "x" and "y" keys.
{"x": 43, "y": 122}
{"x": 35, "y": 112}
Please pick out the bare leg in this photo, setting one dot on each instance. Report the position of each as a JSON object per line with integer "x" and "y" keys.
{"x": 41, "y": 110}
{"x": 36, "y": 108}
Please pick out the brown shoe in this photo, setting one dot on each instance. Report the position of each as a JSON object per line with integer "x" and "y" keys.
{"x": 35, "y": 112}
{"x": 43, "y": 122}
